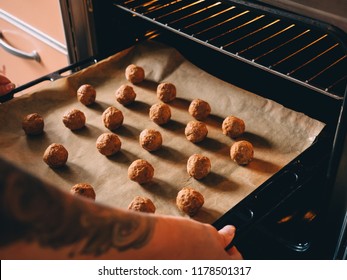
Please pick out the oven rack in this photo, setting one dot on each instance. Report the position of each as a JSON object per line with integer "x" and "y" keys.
{"x": 302, "y": 50}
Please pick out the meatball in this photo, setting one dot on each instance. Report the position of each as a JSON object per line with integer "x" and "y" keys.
{"x": 83, "y": 189}
{"x": 160, "y": 113}
{"x": 125, "y": 95}
{"x": 112, "y": 118}
{"x": 233, "y": 126}
{"x": 242, "y": 152}
{"x": 134, "y": 74}
{"x": 189, "y": 201}
{"x": 74, "y": 119}
{"x": 108, "y": 144}
{"x": 196, "y": 131}
{"x": 55, "y": 155}
{"x": 199, "y": 109}
{"x": 142, "y": 204}
{"x": 86, "y": 94}
{"x": 166, "y": 92}
{"x": 150, "y": 139}
{"x": 33, "y": 124}
{"x": 198, "y": 166}
{"x": 141, "y": 171}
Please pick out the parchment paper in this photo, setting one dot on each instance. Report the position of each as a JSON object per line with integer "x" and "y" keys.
{"x": 277, "y": 133}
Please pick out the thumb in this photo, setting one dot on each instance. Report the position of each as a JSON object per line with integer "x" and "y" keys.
{"x": 4, "y": 79}
{"x": 227, "y": 234}
{"x": 4, "y": 89}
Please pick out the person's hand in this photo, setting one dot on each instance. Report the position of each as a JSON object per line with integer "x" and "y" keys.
{"x": 228, "y": 233}
{"x": 182, "y": 238}
{"x": 5, "y": 85}
{"x": 76, "y": 227}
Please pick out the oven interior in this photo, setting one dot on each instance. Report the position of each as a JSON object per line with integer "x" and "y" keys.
{"x": 296, "y": 61}
{"x": 297, "y": 57}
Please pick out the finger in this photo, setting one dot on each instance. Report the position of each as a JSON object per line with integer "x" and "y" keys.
{"x": 234, "y": 253}
{"x": 4, "y": 89}
{"x": 4, "y": 79}
{"x": 227, "y": 234}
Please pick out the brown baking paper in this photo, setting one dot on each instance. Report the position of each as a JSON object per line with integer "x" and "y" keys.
{"x": 277, "y": 133}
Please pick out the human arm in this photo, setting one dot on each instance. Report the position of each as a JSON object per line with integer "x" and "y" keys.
{"x": 41, "y": 222}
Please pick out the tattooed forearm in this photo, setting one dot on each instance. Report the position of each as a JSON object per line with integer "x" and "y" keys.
{"x": 37, "y": 212}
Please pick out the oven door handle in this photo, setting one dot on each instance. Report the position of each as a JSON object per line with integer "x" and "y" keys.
{"x": 34, "y": 55}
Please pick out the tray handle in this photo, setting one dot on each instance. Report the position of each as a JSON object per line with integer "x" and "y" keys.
{"x": 51, "y": 77}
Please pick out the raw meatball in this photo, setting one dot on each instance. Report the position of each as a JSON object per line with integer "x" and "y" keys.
{"x": 141, "y": 171}
{"x": 166, "y": 92}
{"x": 199, "y": 109}
{"x": 55, "y": 155}
{"x": 142, "y": 204}
{"x": 86, "y": 94}
{"x": 83, "y": 189}
{"x": 196, "y": 131}
{"x": 242, "y": 152}
{"x": 189, "y": 201}
{"x": 233, "y": 126}
{"x": 112, "y": 118}
{"x": 150, "y": 139}
{"x": 108, "y": 144}
{"x": 198, "y": 166}
{"x": 125, "y": 95}
{"x": 74, "y": 119}
{"x": 33, "y": 124}
{"x": 160, "y": 113}
{"x": 134, "y": 74}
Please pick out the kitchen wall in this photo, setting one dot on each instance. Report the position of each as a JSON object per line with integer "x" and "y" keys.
{"x": 32, "y": 39}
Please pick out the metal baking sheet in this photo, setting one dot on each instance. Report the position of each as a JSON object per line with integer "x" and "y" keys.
{"x": 277, "y": 133}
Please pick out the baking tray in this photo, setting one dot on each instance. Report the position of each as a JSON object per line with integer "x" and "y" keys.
{"x": 278, "y": 134}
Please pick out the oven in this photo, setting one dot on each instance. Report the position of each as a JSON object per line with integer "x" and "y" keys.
{"x": 287, "y": 51}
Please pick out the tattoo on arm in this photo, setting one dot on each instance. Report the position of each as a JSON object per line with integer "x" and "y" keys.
{"x": 37, "y": 212}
